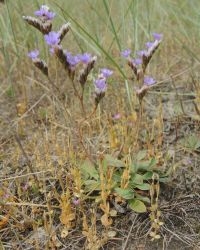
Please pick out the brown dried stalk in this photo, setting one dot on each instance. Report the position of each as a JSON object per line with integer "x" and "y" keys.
{"x": 98, "y": 98}
{"x": 142, "y": 92}
{"x": 43, "y": 26}
{"x": 85, "y": 71}
{"x": 40, "y": 64}
{"x": 63, "y": 31}
{"x": 59, "y": 52}
{"x": 138, "y": 72}
{"x": 147, "y": 57}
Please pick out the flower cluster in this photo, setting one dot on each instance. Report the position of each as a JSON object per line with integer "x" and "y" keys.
{"x": 53, "y": 39}
{"x": 139, "y": 63}
{"x": 34, "y": 54}
{"x": 44, "y": 13}
{"x": 101, "y": 84}
{"x": 43, "y": 19}
{"x": 73, "y": 60}
{"x": 149, "y": 80}
{"x": 40, "y": 64}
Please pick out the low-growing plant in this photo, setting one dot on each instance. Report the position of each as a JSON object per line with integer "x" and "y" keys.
{"x": 115, "y": 182}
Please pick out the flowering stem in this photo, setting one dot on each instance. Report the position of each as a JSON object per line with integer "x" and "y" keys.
{"x": 53, "y": 85}
{"x": 58, "y": 99}
{"x": 140, "y": 114}
{"x": 80, "y": 97}
{"x": 80, "y": 132}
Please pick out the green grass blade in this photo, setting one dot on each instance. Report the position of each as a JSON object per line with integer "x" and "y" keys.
{"x": 112, "y": 24}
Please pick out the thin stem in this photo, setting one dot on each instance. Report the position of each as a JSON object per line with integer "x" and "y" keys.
{"x": 140, "y": 114}
{"x": 80, "y": 97}
{"x": 80, "y": 132}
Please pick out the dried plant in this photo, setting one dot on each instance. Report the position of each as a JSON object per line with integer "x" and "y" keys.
{"x": 43, "y": 27}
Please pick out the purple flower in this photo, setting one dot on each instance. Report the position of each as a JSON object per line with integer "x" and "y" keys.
{"x": 157, "y": 36}
{"x": 76, "y": 201}
{"x": 117, "y": 116}
{"x": 25, "y": 187}
{"x": 149, "y": 80}
{"x": 44, "y": 12}
{"x": 106, "y": 72}
{"x": 33, "y": 54}
{"x": 126, "y": 53}
{"x": 53, "y": 38}
{"x": 141, "y": 53}
{"x": 137, "y": 61}
{"x": 149, "y": 44}
{"x": 85, "y": 58}
{"x": 100, "y": 85}
{"x": 72, "y": 60}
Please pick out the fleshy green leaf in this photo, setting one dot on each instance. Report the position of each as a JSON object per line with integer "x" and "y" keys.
{"x": 141, "y": 155}
{"x": 146, "y": 165}
{"x": 137, "y": 206}
{"x": 111, "y": 161}
{"x": 92, "y": 185}
{"x": 143, "y": 186}
{"x": 89, "y": 170}
{"x": 125, "y": 193}
{"x": 142, "y": 198}
{"x": 148, "y": 175}
{"x": 137, "y": 179}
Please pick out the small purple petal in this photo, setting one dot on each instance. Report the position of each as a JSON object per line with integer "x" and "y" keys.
{"x": 149, "y": 44}
{"x": 72, "y": 60}
{"x": 33, "y": 54}
{"x": 76, "y": 201}
{"x": 126, "y": 53}
{"x": 44, "y": 12}
{"x": 141, "y": 53}
{"x": 106, "y": 72}
{"x": 157, "y": 36}
{"x": 85, "y": 58}
{"x": 137, "y": 61}
{"x": 50, "y": 15}
{"x": 52, "y": 38}
{"x": 149, "y": 80}
{"x": 100, "y": 85}
{"x": 117, "y": 116}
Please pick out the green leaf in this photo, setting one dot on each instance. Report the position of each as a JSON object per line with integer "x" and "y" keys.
{"x": 137, "y": 179}
{"x": 111, "y": 161}
{"x": 141, "y": 155}
{"x": 117, "y": 176}
{"x": 142, "y": 198}
{"x": 146, "y": 165}
{"x": 148, "y": 175}
{"x": 89, "y": 170}
{"x": 143, "y": 186}
{"x": 92, "y": 185}
{"x": 137, "y": 206}
{"x": 125, "y": 193}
